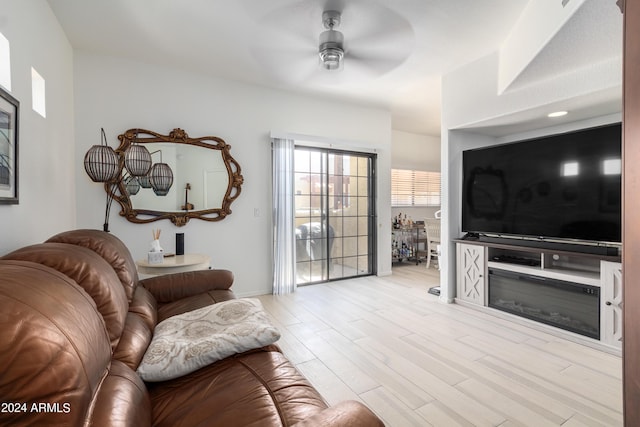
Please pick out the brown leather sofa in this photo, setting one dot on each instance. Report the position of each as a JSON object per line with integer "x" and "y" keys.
{"x": 75, "y": 322}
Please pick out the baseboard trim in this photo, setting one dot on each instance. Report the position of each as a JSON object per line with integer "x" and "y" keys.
{"x": 251, "y": 294}
{"x": 442, "y": 299}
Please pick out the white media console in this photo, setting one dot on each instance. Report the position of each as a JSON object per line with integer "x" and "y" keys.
{"x": 573, "y": 294}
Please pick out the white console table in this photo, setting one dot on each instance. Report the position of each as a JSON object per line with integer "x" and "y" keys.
{"x": 175, "y": 264}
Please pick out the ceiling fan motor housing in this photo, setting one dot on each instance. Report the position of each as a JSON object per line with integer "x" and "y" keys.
{"x": 331, "y": 49}
{"x": 331, "y": 19}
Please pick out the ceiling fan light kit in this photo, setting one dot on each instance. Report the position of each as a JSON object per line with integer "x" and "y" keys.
{"x": 331, "y": 49}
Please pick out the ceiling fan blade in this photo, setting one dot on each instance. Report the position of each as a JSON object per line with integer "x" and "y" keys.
{"x": 379, "y": 61}
{"x": 283, "y": 38}
{"x": 399, "y": 44}
{"x": 377, "y": 37}
{"x": 367, "y": 69}
{"x": 301, "y": 19}
{"x": 371, "y": 21}
{"x": 287, "y": 65}
{"x": 286, "y": 42}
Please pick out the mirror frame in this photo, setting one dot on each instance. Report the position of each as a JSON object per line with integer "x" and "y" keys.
{"x": 176, "y": 136}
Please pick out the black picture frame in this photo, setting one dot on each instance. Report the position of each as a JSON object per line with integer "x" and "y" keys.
{"x": 9, "y": 130}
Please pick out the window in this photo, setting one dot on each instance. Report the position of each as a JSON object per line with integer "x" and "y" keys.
{"x": 415, "y": 188}
{"x": 5, "y": 63}
{"x": 38, "y": 93}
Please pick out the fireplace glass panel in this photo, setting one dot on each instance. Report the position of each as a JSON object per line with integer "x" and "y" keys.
{"x": 570, "y": 306}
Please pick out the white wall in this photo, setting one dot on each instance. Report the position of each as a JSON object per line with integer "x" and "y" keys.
{"x": 46, "y": 153}
{"x": 471, "y": 98}
{"x": 120, "y": 94}
{"x": 538, "y": 23}
{"x": 416, "y": 152}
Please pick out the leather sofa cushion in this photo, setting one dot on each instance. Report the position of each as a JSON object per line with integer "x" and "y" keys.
{"x": 172, "y": 287}
{"x": 123, "y": 400}
{"x": 193, "y": 303}
{"x": 349, "y": 413}
{"x": 259, "y": 388}
{"x": 60, "y": 331}
{"x": 134, "y": 342}
{"x": 144, "y": 305}
{"x": 88, "y": 270}
{"x": 109, "y": 247}
{"x": 138, "y": 330}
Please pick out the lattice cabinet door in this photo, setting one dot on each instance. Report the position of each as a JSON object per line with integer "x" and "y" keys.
{"x": 611, "y": 303}
{"x": 471, "y": 265}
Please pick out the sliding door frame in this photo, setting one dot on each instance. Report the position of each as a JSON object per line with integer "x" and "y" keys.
{"x": 327, "y": 216}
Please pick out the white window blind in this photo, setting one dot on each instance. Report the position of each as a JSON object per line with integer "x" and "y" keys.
{"x": 415, "y": 188}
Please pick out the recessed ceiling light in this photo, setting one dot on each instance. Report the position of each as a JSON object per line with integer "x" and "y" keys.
{"x": 557, "y": 114}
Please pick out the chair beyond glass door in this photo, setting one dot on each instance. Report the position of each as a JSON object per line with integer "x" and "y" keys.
{"x": 335, "y": 236}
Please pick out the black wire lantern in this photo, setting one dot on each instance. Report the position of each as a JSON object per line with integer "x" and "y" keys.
{"x": 132, "y": 185}
{"x": 101, "y": 162}
{"x": 161, "y": 178}
{"x": 144, "y": 181}
{"x": 102, "y": 165}
{"x": 137, "y": 159}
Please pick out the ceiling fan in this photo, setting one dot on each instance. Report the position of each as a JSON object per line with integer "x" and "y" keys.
{"x": 300, "y": 41}
{"x": 331, "y": 50}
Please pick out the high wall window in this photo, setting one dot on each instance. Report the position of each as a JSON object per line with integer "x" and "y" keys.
{"x": 38, "y": 93}
{"x": 5, "y": 63}
{"x": 415, "y": 188}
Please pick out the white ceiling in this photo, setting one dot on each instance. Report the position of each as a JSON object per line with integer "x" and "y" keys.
{"x": 396, "y": 50}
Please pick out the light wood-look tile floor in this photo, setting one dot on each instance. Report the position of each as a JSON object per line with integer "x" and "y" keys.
{"x": 386, "y": 342}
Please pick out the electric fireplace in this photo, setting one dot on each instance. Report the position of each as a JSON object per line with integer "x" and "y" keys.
{"x": 571, "y": 306}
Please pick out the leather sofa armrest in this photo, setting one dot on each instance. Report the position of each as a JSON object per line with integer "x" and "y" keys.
{"x": 173, "y": 287}
{"x": 347, "y": 413}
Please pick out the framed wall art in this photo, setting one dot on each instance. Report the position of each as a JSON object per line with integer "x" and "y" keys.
{"x": 9, "y": 110}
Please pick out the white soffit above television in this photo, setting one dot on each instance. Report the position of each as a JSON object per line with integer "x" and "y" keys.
{"x": 573, "y": 63}
{"x": 552, "y": 38}
{"x": 603, "y": 104}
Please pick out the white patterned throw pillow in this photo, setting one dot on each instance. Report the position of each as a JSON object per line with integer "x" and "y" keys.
{"x": 187, "y": 342}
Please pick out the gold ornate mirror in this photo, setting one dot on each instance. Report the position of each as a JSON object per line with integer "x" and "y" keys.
{"x": 206, "y": 178}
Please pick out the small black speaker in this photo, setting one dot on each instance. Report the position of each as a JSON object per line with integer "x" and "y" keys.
{"x": 179, "y": 243}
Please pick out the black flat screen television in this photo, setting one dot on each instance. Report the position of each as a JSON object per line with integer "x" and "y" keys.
{"x": 565, "y": 186}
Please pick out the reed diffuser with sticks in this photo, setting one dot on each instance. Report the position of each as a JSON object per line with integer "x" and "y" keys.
{"x": 155, "y": 255}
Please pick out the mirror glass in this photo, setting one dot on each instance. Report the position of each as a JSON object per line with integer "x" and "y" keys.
{"x": 200, "y": 179}
{"x": 206, "y": 178}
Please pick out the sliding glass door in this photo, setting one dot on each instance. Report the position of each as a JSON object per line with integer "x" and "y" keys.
{"x": 335, "y": 214}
